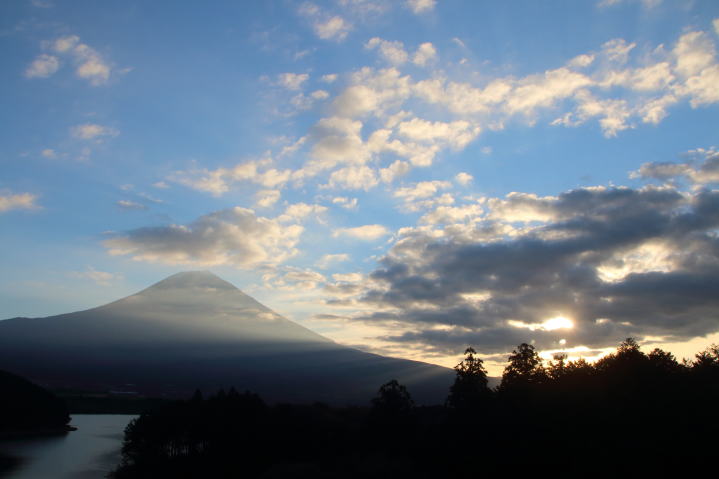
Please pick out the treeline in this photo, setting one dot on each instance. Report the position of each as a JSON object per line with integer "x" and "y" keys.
{"x": 627, "y": 413}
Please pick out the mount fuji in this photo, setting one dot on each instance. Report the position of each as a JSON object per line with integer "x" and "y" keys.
{"x": 195, "y": 330}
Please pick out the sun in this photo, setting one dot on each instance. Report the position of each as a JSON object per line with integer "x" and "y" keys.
{"x": 558, "y": 322}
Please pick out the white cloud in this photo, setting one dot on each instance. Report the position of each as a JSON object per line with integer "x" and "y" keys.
{"x": 425, "y": 53}
{"x": 538, "y": 91}
{"x": 617, "y": 50}
{"x": 18, "y": 201}
{"x": 298, "y": 212}
{"x": 396, "y": 170}
{"x": 348, "y": 277}
{"x": 330, "y": 259}
{"x": 392, "y": 52}
{"x": 103, "y": 278}
{"x": 421, "y": 6}
{"x": 354, "y": 178}
{"x": 463, "y": 178}
{"x": 295, "y": 279}
{"x": 372, "y": 91}
{"x": 329, "y": 78}
{"x": 344, "y": 202}
{"x": 456, "y": 134}
{"x": 65, "y": 44}
{"x": 365, "y": 233}
{"x": 320, "y": 95}
{"x": 334, "y": 28}
{"x": 92, "y": 131}
{"x": 218, "y": 181}
{"x": 267, "y": 198}
{"x": 336, "y": 140}
{"x": 645, "y": 3}
{"x": 716, "y": 25}
{"x": 130, "y": 205}
{"x": 325, "y": 26}
{"x": 421, "y": 190}
{"x": 43, "y": 66}
{"x": 49, "y": 153}
{"x": 234, "y": 236}
{"x": 292, "y": 81}
{"x": 90, "y": 65}
{"x": 581, "y": 61}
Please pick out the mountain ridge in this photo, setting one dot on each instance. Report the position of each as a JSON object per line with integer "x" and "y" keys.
{"x": 194, "y": 329}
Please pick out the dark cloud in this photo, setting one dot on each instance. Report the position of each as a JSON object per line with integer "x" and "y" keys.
{"x": 617, "y": 261}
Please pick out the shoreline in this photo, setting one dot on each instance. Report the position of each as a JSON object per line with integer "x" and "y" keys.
{"x": 35, "y": 432}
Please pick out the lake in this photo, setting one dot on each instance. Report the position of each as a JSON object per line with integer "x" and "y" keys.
{"x": 88, "y": 453}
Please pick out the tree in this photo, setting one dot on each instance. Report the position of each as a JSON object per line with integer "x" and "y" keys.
{"x": 392, "y": 401}
{"x": 558, "y": 367}
{"x": 470, "y": 387}
{"x": 524, "y": 370}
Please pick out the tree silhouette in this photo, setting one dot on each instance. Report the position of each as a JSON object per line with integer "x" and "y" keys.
{"x": 470, "y": 388}
{"x": 524, "y": 370}
{"x": 393, "y": 399}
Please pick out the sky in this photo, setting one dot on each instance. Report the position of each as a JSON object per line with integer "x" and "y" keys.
{"x": 409, "y": 177}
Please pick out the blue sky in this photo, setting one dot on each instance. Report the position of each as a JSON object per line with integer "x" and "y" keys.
{"x": 408, "y": 177}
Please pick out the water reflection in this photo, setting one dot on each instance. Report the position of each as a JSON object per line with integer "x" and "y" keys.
{"x": 90, "y": 452}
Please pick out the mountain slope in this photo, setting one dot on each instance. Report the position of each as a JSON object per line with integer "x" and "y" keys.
{"x": 194, "y": 330}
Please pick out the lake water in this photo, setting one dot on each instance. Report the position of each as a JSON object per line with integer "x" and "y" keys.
{"x": 88, "y": 453}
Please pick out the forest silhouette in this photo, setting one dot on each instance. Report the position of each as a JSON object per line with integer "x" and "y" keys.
{"x": 628, "y": 413}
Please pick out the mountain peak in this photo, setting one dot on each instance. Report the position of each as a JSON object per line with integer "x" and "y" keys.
{"x": 193, "y": 279}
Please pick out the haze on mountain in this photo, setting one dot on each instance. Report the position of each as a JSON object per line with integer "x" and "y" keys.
{"x": 195, "y": 330}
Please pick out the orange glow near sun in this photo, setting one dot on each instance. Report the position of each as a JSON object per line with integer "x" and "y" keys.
{"x": 558, "y": 322}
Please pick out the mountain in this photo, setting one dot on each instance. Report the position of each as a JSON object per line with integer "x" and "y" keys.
{"x": 195, "y": 330}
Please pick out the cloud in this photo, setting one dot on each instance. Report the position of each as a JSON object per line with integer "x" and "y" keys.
{"x": 292, "y": 81}
{"x": 701, "y": 170}
{"x": 89, "y": 63}
{"x": 392, "y": 52}
{"x": 325, "y": 26}
{"x": 130, "y": 205}
{"x": 92, "y": 131}
{"x": 235, "y": 236}
{"x": 298, "y": 212}
{"x": 463, "y": 178}
{"x": 344, "y": 202}
{"x": 645, "y": 3}
{"x": 43, "y": 66}
{"x": 421, "y": 6}
{"x": 421, "y": 190}
{"x": 327, "y": 260}
{"x": 334, "y": 28}
{"x": 425, "y": 54}
{"x": 294, "y": 279}
{"x": 49, "y": 153}
{"x": 456, "y": 134}
{"x": 616, "y": 261}
{"x": 348, "y": 277}
{"x": 102, "y": 278}
{"x": 219, "y": 181}
{"x": 18, "y": 201}
{"x": 267, "y": 198}
{"x": 354, "y": 178}
{"x": 365, "y": 233}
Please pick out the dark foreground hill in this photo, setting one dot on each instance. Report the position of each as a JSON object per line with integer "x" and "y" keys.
{"x": 195, "y": 330}
{"x": 26, "y": 408}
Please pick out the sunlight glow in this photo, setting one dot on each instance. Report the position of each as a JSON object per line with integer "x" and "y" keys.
{"x": 558, "y": 322}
